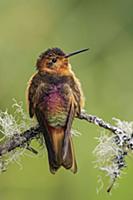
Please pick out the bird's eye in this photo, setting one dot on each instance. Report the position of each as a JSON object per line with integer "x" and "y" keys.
{"x": 54, "y": 60}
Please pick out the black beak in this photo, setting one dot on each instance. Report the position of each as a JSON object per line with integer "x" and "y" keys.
{"x": 76, "y": 52}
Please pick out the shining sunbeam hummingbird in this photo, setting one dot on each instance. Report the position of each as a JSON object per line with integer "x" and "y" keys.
{"x": 55, "y": 97}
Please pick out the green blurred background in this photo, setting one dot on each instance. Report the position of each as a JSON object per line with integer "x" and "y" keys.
{"x": 29, "y": 27}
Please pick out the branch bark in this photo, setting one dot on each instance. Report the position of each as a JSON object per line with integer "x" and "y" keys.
{"x": 22, "y": 139}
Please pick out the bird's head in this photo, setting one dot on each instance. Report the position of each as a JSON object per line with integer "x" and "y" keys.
{"x": 55, "y": 60}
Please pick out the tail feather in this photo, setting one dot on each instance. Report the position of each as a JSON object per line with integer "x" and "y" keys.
{"x": 69, "y": 162}
{"x": 57, "y": 136}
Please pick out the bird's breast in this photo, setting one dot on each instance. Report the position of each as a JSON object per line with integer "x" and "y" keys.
{"x": 55, "y": 104}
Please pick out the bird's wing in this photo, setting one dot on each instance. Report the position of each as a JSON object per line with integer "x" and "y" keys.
{"x": 77, "y": 94}
{"x": 36, "y": 87}
{"x": 67, "y": 131}
{"x": 35, "y": 90}
{"x": 75, "y": 107}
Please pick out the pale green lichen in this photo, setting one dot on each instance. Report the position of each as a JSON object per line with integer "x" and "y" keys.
{"x": 111, "y": 150}
{"x": 10, "y": 125}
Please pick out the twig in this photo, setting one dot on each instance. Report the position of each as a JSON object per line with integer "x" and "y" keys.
{"x": 19, "y": 140}
{"x": 100, "y": 122}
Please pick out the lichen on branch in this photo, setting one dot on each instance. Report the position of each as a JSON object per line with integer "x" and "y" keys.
{"x": 110, "y": 152}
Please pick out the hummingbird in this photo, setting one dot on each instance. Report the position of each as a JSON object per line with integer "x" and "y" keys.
{"x": 55, "y": 98}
